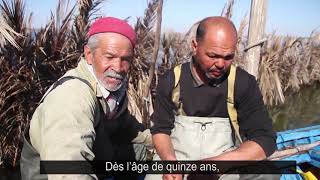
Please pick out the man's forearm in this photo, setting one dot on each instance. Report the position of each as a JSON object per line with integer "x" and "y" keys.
{"x": 164, "y": 147}
{"x": 249, "y": 150}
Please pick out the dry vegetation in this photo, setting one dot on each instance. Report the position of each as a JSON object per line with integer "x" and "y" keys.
{"x": 287, "y": 64}
{"x": 47, "y": 53}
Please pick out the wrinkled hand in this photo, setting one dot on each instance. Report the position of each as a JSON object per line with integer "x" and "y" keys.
{"x": 203, "y": 177}
{"x": 172, "y": 177}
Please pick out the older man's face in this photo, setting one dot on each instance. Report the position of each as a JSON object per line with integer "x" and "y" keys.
{"x": 111, "y": 60}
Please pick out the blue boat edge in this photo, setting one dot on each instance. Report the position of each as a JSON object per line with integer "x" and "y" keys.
{"x": 297, "y": 137}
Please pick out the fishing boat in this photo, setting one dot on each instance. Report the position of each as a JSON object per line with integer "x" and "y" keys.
{"x": 303, "y": 146}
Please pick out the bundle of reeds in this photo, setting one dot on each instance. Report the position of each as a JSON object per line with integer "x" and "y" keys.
{"x": 287, "y": 64}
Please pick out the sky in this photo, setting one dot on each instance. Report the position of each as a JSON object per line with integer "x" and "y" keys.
{"x": 284, "y": 17}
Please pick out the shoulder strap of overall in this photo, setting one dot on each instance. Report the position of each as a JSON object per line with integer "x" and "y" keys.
{"x": 176, "y": 90}
{"x": 62, "y": 80}
{"x": 230, "y": 102}
{"x": 230, "y": 98}
{"x": 53, "y": 86}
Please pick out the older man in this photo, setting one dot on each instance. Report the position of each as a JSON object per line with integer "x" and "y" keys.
{"x": 84, "y": 115}
{"x": 201, "y": 104}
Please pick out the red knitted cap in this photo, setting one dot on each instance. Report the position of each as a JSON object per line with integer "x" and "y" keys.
{"x": 114, "y": 25}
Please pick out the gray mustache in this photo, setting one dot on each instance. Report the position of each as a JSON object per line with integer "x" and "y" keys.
{"x": 114, "y": 74}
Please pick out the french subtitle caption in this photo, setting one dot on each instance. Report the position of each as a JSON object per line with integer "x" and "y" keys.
{"x": 162, "y": 167}
{"x": 167, "y": 167}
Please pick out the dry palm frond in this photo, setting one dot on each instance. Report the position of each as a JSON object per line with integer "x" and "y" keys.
{"x": 14, "y": 83}
{"x": 139, "y": 71}
{"x": 313, "y": 48}
{"x": 167, "y": 44}
{"x": 176, "y": 49}
{"x": 270, "y": 83}
{"x": 155, "y": 48}
{"x": 79, "y": 31}
{"x": 182, "y": 45}
{"x": 314, "y": 67}
{"x": 145, "y": 35}
{"x": 146, "y": 90}
{"x": 14, "y": 14}
{"x": 288, "y": 63}
{"x": 7, "y": 34}
{"x": 52, "y": 50}
{"x": 227, "y": 9}
{"x": 242, "y": 42}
